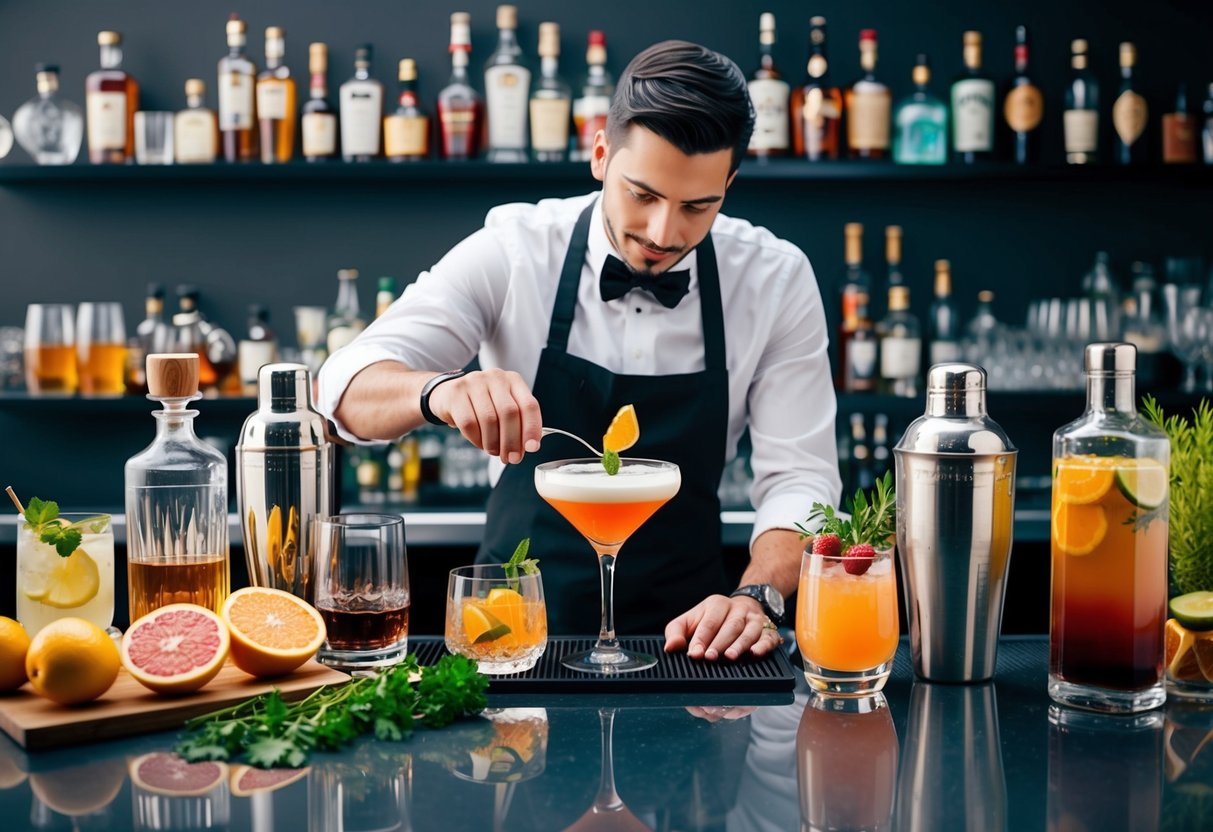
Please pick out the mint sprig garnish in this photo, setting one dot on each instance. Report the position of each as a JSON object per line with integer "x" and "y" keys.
{"x": 519, "y": 560}
{"x": 42, "y": 516}
{"x": 610, "y": 461}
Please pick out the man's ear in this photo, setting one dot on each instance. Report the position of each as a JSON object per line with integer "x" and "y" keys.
{"x": 599, "y": 153}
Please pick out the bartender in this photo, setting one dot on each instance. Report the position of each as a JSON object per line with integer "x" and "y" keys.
{"x": 640, "y": 293}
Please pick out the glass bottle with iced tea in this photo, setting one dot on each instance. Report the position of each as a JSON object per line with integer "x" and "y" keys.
{"x": 1109, "y": 543}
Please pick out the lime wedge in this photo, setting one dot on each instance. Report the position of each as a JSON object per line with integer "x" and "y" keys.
{"x": 493, "y": 634}
{"x": 1143, "y": 484}
{"x": 73, "y": 582}
{"x": 1194, "y": 610}
{"x": 480, "y": 625}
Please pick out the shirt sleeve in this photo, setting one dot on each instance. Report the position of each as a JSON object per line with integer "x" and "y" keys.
{"x": 437, "y": 324}
{"x": 792, "y": 410}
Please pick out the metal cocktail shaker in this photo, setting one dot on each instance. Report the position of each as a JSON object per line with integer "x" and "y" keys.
{"x": 283, "y": 480}
{"x": 955, "y": 506}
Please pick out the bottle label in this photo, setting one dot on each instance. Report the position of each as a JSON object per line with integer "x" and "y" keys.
{"x": 1082, "y": 130}
{"x": 235, "y": 101}
{"x": 1129, "y": 115}
{"x": 406, "y": 136}
{"x": 194, "y": 137}
{"x": 900, "y": 357}
{"x": 319, "y": 134}
{"x": 550, "y": 124}
{"x": 361, "y": 107}
{"x": 506, "y": 90}
{"x": 973, "y": 115}
{"x": 1178, "y": 138}
{"x": 253, "y": 355}
{"x": 1024, "y": 108}
{"x": 861, "y": 356}
{"x": 944, "y": 352}
{"x": 770, "y": 97}
{"x": 868, "y": 126}
{"x": 458, "y": 128}
{"x": 106, "y": 120}
{"x": 589, "y": 116}
{"x": 921, "y": 134}
{"x": 271, "y": 100}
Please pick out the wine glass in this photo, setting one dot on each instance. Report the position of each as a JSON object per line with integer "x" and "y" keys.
{"x": 1191, "y": 340}
{"x": 606, "y": 510}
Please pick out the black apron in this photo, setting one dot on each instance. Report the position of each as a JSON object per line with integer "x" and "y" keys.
{"x": 674, "y": 560}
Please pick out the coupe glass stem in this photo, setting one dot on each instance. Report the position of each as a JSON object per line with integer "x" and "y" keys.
{"x": 608, "y": 798}
{"x": 607, "y": 643}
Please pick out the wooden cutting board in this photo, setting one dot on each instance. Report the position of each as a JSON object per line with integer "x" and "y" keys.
{"x": 129, "y": 708}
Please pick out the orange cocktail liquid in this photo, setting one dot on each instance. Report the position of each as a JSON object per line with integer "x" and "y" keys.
{"x": 847, "y": 622}
{"x": 606, "y": 523}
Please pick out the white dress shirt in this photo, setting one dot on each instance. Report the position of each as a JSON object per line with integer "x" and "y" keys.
{"x": 493, "y": 294}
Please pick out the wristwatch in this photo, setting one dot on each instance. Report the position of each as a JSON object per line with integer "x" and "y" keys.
{"x": 765, "y": 594}
{"x": 429, "y": 388}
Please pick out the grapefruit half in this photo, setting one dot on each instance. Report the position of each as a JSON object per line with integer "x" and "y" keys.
{"x": 247, "y": 780}
{"x": 176, "y": 649}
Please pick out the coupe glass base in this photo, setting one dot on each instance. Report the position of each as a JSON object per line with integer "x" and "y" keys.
{"x": 609, "y": 661}
{"x": 1105, "y": 700}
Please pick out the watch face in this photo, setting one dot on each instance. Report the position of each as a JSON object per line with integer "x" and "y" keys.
{"x": 773, "y": 599}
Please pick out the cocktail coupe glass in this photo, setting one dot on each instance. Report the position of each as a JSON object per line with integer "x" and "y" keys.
{"x": 608, "y": 812}
{"x": 606, "y": 510}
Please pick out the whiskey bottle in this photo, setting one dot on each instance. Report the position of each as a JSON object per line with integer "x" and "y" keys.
{"x": 195, "y": 129}
{"x": 507, "y": 85}
{"x": 319, "y": 122}
{"x": 276, "y": 102}
{"x": 237, "y": 101}
{"x": 48, "y": 126}
{"x": 258, "y": 348}
{"x": 385, "y": 295}
{"x": 189, "y": 335}
{"x": 361, "y": 103}
{"x": 1023, "y": 108}
{"x": 591, "y": 107}
{"x": 892, "y": 255}
{"x": 868, "y": 106}
{"x": 551, "y": 101}
{"x": 859, "y": 374}
{"x": 816, "y": 105}
{"x": 1081, "y": 116}
{"x": 855, "y": 281}
{"x": 459, "y": 106}
{"x": 345, "y": 321}
{"x": 152, "y": 335}
{"x": 972, "y": 107}
{"x": 111, "y": 98}
{"x": 900, "y": 346}
{"x": 1179, "y": 131}
{"x": 769, "y": 94}
{"x": 943, "y": 321}
{"x": 1129, "y": 112}
{"x": 406, "y": 132}
{"x": 920, "y": 123}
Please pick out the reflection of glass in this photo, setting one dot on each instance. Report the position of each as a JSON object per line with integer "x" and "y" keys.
{"x": 608, "y": 813}
{"x": 517, "y": 751}
{"x": 846, "y": 623}
{"x": 499, "y": 622}
{"x": 606, "y": 510}
{"x": 951, "y": 773}
{"x": 368, "y": 790}
{"x": 81, "y": 585}
{"x": 169, "y": 794}
{"x": 50, "y": 349}
{"x": 846, "y": 758}
{"x": 82, "y": 793}
{"x": 101, "y": 349}
{"x": 1092, "y": 784}
{"x": 12, "y": 362}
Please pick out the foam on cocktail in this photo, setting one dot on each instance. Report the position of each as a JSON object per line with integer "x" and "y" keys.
{"x": 588, "y": 482}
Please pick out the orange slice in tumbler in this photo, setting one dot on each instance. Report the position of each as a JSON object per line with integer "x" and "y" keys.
{"x": 1081, "y": 483}
{"x": 624, "y": 431}
{"x": 1078, "y": 529}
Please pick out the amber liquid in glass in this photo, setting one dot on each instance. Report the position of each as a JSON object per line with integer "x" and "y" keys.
{"x": 51, "y": 369}
{"x": 198, "y": 579}
{"x": 103, "y": 370}
{"x": 365, "y": 629}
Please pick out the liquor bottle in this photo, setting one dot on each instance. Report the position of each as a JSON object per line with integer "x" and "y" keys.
{"x": 459, "y": 106}
{"x": 385, "y": 295}
{"x": 1081, "y": 117}
{"x": 1129, "y": 112}
{"x": 319, "y": 122}
{"x": 195, "y": 129}
{"x": 880, "y": 445}
{"x": 855, "y": 281}
{"x": 868, "y": 106}
{"x": 972, "y": 107}
{"x": 507, "y": 85}
{"x": 345, "y": 321}
{"x": 189, "y": 335}
{"x": 862, "y": 475}
{"x": 900, "y": 345}
{"x": 276, "y": 102}
{"x": 920, "y": 123}
{"x": 237, "y": 101}
{"x": 816, "y": 104}
{"x": 769, "y": 94}
{"x": 892, "y": 254}
{"x": 48, "y": 126}
{"x": 258, "y": 348}
{"x": 152, "y": 335}
{"x": 361, "y": 105}
{"x": 1179, "y": 131}
{"x": 551, "y": 101}
{"x": 591, "y": 107}
{"x": 111, "y": 98}
{"x": 859, "y": 374}
{"x": 943, "y": 321}
{"x": 406, "y": 132}
{"x": 1023, "y": 108}
{"x": 1206, "y": 133}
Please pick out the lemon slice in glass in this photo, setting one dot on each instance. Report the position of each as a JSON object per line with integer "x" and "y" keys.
{"x": 70, "y": 583}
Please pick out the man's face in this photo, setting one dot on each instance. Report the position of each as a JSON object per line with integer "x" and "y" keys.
{"x": 658, "y": 203}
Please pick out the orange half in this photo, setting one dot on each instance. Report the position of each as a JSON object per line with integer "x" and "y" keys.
{"x": 1180, "y": 657}
{"x": 273, "y": 632}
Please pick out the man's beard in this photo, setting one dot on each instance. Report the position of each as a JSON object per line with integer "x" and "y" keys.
{"x": 648, "y": 270}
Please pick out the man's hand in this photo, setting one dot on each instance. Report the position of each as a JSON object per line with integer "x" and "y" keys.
{"x": 494, "y": 410}
{"x": 720, "y": 625}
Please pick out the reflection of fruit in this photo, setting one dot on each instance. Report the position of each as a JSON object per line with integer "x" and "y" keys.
{"x": 71, "y": 582}
{"x": 624, "y": 431}
{"x": 79, "y": 790}
{"x": 1078, "y": 529}
{"x": 1194, "y": 610}
{"x": 273, "y": 632}
{"x": 246, "y": 780}
{"x": 176, "y": 648}
{"x": 162, "y": 772}
{"x": 1143, "y": 482}
{"x": 12, "y": 774}
{"x": 1182, "y": 745}
{"x": 71, "y": 661}
{"x": 14, "y": 644}
{"x": 1084, "y": 480}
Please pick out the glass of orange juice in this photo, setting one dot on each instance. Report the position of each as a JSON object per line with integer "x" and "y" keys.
{"x": 846, "y": 621}
{"x": 498, "y": 621}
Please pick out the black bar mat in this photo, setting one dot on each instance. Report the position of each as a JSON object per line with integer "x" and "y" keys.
{"x": 674, "y": 673}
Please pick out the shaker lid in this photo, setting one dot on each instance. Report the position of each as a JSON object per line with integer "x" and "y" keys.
{"x": 284, "y": 387}
{"x": 1112, "y": 358}
{"x": 955, "y": 421}
{"x": 285, "y": 418}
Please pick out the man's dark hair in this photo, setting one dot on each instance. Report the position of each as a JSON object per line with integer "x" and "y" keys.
{"x": 694, "y": 98}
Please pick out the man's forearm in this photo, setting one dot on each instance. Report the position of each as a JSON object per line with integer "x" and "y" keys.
{"x": 383, "y": 401}
{"x": 775, "y": 559}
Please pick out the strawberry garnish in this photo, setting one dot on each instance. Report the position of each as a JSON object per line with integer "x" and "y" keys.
{"x": 858, "y": 558}
{"x": 871, "y": 527}
{"x": 829, "y": 545}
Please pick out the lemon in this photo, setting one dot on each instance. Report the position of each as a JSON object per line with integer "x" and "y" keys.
{"x": 72, "y": 661}
{"x": 70, "y": 583}
{"x": 14, "y": 644}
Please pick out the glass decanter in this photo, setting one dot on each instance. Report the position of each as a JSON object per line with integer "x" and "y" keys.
{"x": 48, "y": 126}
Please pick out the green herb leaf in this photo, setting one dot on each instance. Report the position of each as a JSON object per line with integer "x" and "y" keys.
{"x": 39, "y": 512}
{"x": 68, "y": 540}
{"x": 519, "y": 560}
{"x": 42, "y": 517}
{"x": 610, "y": 461}
{"x": 873, "y": 517}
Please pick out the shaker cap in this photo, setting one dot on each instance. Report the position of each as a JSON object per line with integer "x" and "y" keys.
{"x": 284, "y": 387}
{"x": 955, "y": 421}
{"x": 1110, "y": 359}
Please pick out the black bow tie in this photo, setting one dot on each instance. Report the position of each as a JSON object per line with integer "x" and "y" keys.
{"x": 617, "y": 280}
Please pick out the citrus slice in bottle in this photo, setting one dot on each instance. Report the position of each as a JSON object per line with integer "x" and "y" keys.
{"x": 1143, "y": 482}
{"x": 273, "y": 632}
{"x": 1083, "y": 481}
{"x": 1180, "y": 657}
{"x": 1077, "y": 528}
{"x": 624, "y": 431}
{"x": 176, "y": 648}
{"x": 1194, "y": 610}
{"x": 481, "y": 626}
{"x": 71, "y": 582}
{"x": 163, "y": 772}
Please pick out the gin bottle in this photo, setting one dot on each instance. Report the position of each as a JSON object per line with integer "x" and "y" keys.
{"x": 920, "y": 125}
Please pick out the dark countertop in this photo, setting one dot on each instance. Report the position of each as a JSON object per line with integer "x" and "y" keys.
{"x": 938, "y": 757}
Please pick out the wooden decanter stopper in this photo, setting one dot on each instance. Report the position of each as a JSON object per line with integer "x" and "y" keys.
{"x": 172, "y": 375}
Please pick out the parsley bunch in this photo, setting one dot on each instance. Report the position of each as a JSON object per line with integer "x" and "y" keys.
{"x": 42, "y": 516}
{"x": 266, "y": 731}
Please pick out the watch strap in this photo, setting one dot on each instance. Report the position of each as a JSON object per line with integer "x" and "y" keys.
{"x": 429, "y": 388}
{"x": 756, "y": 591}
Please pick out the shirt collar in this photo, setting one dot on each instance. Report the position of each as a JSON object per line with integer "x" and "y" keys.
{"x": 598, "y": 246}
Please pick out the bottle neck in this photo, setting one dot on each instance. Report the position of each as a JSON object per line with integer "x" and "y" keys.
{"x": 459, "y": 66}
{"x": 235, "y": 47}
{"x": 176, "y": 420}
{"x": 193, "y": 102}
{"x": 362, "y": 72}
{"x": 507, "y": 43}
{"x": 1111, "y": 393}
{"x": 549, "y": 66}
{"x": 319, "y": 87}
{"x": 111, "y": 56}
{"x": 347, "y": 298}
{"x": 1021, "y": 60}
{"x": 408, "y": 94}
